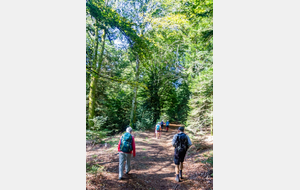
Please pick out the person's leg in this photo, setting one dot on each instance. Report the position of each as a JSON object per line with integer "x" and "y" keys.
{"x": 176, "y": 161}
{"x": 180, "y": 169}
{"x": 127, "y": 166}
{"x": 176, "y": 169}
{"x": 181, "y": 160}
{"x": 181, "y": 166}
{"x": 121, "y": 164}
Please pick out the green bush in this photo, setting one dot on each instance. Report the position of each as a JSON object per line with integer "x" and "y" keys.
{"x": 96, "y": 133}
{"x": 145, "y": 122}
{"x": 98, "y": 122}
{"x": 209, "y": 160}
{"x": 94, "y": 168}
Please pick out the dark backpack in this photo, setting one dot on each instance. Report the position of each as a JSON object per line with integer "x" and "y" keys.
{"x": 181, "y": 143}
{"x": 126, "y": 142}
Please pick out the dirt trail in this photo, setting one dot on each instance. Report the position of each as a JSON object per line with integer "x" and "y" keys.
{"x": 152, "y": 168}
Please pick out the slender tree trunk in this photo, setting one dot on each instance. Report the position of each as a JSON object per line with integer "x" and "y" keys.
{"x": 211, "y": 127}
{"x": 134, "y": 101}
{"x": 96, "y": 43}
{"x": 94, "y": 81}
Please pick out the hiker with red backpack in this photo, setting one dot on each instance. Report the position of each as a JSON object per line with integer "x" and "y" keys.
{"x": 126, "y": 147}
{"x": 181, "y": 142}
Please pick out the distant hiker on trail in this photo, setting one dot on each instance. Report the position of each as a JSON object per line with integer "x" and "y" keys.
{"x": 167, "y": 125}
{"x": 162, "y": 124}
{"x": 125, "y": 147}
{"x": 157, "y": 130}
{"x": 181, "y": 142}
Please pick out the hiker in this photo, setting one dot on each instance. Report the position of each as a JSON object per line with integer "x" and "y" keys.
{"x": 125, "y": 147}
{"x": 167, "y": 125}
{"x": 181, "y": 142}
{"x": 157, "y": 130}
{"x": 162, "y": 124}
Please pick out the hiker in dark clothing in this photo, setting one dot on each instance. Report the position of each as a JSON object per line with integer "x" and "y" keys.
{"x": 162, "y": 124}
{"x": 126, "y": 147}
{"x": 181, "y": 142}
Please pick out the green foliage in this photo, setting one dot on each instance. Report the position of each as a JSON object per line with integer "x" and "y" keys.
{"x": 144, "y": 122}
{"x": 209, "y": 161}
{"x": 201, "y": 102}
{"x": 94, "y": 168}
{"x": 94, "y": 156}
{"x": 98, "y": 122}
{"x": 96, "y": 131}
{"x": 166, "y": 53}
{"x": 95, "y": 135}
{"x": 109, "y": 18}
{"x": 114, "y": 142}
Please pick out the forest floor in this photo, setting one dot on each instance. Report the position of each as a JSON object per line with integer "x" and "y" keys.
{"x": 153, "y": 167}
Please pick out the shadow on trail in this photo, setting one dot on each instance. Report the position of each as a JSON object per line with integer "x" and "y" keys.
{"x": 147, "y": 181}
{"x": 152, "y": 168}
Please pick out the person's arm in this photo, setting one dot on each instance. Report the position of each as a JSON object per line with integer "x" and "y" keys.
{"x": 189, "y": 142}
{"x": 119, "y": 145}
{"x": 133, "y": 146}
{"x": 174, "y": 139}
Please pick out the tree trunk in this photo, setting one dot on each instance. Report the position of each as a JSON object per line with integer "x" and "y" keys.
{"x": 94, "y": 80}
{"x": 96, "y": 46}
{"x": 211, "y": 127}
{"x": 134, "y": 101}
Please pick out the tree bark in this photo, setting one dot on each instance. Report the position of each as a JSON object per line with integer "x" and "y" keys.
{"x": 211, "y": 127}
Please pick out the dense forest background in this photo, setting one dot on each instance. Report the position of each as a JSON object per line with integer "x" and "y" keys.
{"x": 148, "y": 60}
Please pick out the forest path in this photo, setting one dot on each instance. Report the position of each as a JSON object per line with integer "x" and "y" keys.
{"x": 152, "y": 168}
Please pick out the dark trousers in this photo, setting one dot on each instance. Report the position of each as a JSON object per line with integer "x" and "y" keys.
{"x": 178, "y": 159}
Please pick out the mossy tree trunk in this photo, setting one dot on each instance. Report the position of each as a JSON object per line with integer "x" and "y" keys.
{"x": 94, "y": 80}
